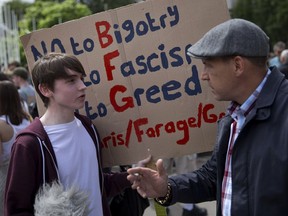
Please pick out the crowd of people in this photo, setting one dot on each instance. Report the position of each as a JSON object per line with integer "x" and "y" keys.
{"x": 13, "y": 118}
{"x": 20, "y": 77}
{"x": 14, "y": 114}
{"x": 279, "y": 57}
{"x": 247, "y": 173}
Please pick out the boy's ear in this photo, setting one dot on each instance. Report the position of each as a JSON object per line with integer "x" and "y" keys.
{"x": 44, "y": 90}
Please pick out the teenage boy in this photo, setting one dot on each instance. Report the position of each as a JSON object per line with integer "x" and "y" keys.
{"x": 61, "y": 145}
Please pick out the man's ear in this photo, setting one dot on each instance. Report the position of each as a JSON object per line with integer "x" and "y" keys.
{"x": 45, "y": 90}
{"x": 239, "y": 64}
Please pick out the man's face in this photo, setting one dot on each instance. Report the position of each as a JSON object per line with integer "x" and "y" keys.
{"x": 219, "y": 74}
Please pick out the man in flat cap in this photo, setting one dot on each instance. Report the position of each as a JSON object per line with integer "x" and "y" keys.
{"x": 248, "y": 171}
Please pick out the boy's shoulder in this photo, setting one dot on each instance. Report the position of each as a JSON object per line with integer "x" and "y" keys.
{"x": 33, "y": 130}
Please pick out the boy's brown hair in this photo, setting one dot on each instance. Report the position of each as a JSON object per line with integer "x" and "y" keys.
{"x": 52, "y": 67}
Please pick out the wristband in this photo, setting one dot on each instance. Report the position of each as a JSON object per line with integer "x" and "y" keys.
{"x": 163, "y": 200}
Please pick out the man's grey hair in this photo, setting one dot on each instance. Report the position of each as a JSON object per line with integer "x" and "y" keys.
{"x": 54, "y": 200}
{"x": 279, "y": 46}
{"x": 284, "y": 56}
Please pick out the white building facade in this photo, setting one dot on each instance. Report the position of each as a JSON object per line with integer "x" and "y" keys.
{"x": 9, "y": 37}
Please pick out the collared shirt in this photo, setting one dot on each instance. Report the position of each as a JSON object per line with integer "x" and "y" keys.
{"x": 238, "y": 113}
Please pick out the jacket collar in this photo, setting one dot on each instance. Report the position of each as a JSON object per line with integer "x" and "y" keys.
{"x": 270, "y": 88}
{"x": 267, "y": 95}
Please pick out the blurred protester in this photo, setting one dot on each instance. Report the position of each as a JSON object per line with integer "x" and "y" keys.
{"x": 284, "y": 60}
{"x": 277, "y": 49}
{"x": 24, "y": 104}
{"x": 12, "y": 119}
{"x": 3, "y": 77}
{"x": 20, "y": 78}
{"x": 11, "y": 65}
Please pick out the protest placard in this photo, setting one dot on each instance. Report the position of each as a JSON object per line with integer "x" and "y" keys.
{"x": 144, "y": 92}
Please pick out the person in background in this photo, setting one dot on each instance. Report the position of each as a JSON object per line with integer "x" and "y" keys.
{"x": 61, "y": 145}
{"x": 24, "y": 104}
{"x": 284, "y": 60}
{"x": 26, "y": 90}
{"x": 277, "y": 50}
{"x": 11, "y": 65}
{"x": 12, "y": 119}
{"x": 20, "y": 78}
{"x": 3, "y": 77}
{"x": 247, "y": 173}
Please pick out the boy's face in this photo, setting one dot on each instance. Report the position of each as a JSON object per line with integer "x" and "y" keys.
{"x": 68, "y": 93}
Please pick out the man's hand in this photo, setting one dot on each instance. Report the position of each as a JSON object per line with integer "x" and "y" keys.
{"x": 148, "y": 182}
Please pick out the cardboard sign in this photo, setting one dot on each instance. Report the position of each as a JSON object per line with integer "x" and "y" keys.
{"x": 144, "y": 92}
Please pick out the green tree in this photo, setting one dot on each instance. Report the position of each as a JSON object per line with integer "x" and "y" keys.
{"x": 270, "y": 15}
{"x": 18, "y": 7}
{"x": 45, "y": 14}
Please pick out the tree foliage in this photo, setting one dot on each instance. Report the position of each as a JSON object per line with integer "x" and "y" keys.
{"x": 45, "y": 14}
{"x": 18, "y": 7}
{"x": 270, "y": 15}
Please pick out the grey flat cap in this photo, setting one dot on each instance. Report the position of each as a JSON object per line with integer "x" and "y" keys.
{"x": 233, "y": 37}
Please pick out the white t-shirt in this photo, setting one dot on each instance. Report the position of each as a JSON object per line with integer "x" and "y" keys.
{"x": 77, "y": 160}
